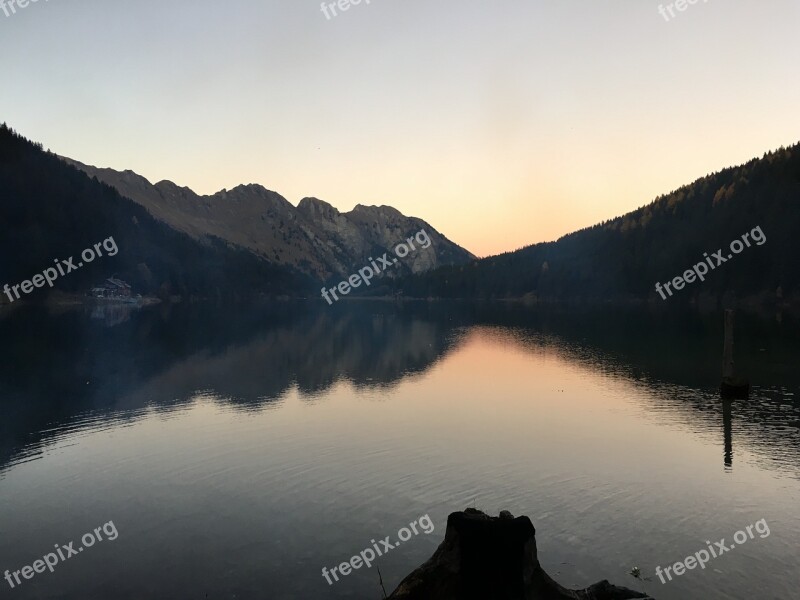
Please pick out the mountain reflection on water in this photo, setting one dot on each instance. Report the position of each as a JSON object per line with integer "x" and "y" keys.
{"x": 57, "y": 366}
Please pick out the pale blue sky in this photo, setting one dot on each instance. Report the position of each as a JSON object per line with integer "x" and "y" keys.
{"x": 500, "y": 123}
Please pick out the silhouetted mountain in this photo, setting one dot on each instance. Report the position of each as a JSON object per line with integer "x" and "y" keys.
{"x": 624, "y": 258}
{"x": 313, "y": 237}
{"x": 51, "y": 211}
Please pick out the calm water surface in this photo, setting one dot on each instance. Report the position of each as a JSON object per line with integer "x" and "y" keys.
{"x": 238, "y": 451}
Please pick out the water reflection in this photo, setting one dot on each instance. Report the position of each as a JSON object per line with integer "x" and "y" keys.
{"x": 69, "y": 370}
{"x": 111, "y": 313}
{"x": 256, "y": 444}
{"x": 727, "y": 423}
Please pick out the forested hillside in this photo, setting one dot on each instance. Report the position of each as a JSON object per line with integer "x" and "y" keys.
{"x": 623, "y": 258}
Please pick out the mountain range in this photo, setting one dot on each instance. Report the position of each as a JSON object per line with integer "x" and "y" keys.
{"x": 250, "y": 241}
{"x": 313, "y": 237}
{"x": 247, "y": 241}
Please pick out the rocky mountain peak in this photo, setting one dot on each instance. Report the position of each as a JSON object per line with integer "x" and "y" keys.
{"x": 315, "y": 206}
{"x": 168, "y": 186}
{"x": 374, "y": 211}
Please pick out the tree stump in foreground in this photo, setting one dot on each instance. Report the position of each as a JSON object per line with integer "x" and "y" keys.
{"x": 493, "y": 558}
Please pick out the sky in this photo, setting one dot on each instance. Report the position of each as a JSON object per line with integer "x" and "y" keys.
{"x": 500, "y": 123}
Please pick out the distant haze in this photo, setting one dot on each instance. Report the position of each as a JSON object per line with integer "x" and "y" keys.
{"x": 502, "y": 124}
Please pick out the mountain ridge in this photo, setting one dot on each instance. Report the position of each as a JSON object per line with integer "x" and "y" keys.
{"x": 313, "y": 237}
{"x": 50, "y": 210}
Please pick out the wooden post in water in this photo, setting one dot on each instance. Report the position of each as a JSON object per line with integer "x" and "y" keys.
{"x": 732, "y": 387}
{"x": 727, "y": 348}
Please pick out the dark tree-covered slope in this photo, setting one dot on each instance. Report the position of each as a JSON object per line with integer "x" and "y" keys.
{"x": 623, "y": 258}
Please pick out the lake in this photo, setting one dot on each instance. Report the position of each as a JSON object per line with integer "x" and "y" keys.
{"x": 238, "y": 450}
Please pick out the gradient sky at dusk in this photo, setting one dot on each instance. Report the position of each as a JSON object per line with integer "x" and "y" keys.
{"x": 500, "y": 123}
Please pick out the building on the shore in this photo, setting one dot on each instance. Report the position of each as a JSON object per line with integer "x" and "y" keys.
{"x": 111, "y": 288}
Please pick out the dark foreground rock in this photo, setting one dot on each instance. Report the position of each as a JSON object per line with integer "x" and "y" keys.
{"x": 493, "y": 558}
